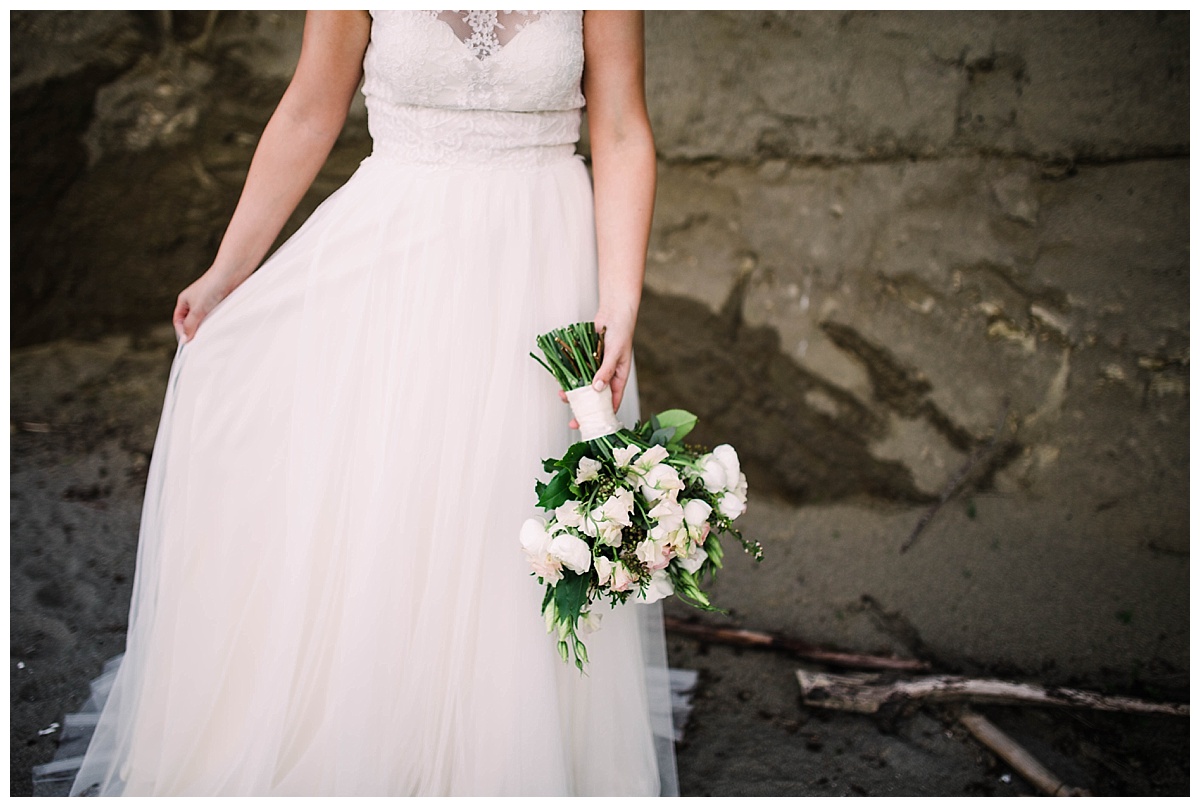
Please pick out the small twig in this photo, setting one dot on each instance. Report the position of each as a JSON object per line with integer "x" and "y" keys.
{"x": 1021, "y": 760}
{"x": 598, "y": 355}
{"x": 866, "y": 693}
{"x": 957, "y": 479}
{"x": 768, "y": 641}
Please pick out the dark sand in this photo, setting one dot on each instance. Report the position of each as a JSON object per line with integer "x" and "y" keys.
{"x": 84, "y": 417}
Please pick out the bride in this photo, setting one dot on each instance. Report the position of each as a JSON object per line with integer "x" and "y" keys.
{"x": 330, "y": 597}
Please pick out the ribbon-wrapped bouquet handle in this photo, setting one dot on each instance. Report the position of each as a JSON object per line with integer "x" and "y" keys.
{"x": 593, "y": 410}
{"x": 628, "y": 512}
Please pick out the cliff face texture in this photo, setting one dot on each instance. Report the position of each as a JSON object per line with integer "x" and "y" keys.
{"x": 898, "y": 259}
{"x": 887, "y": 244}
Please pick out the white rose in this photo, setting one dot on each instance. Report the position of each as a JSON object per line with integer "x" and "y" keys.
{"x": 731, "y": 505}
{"x": 597, "y": 525}
{"x": 729, "y": 461}
{"x": 622, "y": 578}
{"x": 660, "y": 586}
{"x": 681, "y": 547}
{"x": 713, "y": 474}
{"x": 588, "y": 469}
{"x": 605, "y": 522}
{"x": 651, "y": 456}
{"x": 618, "y": 506}
{"x": 536, "y": 542}
{"x": 655, "y": 554}
{"x": 546, "y": 567}
{"x": 695, "y": 519}
{"x": 589, "y": 622}
{"x": 610, "y": 533}
{"x": 660, "y": 533}
{"x": 695, "y": 512}
{"x": 668, "y": 514}
{"x": 568, "y": 515}
{"x": 693, "y": 563}
{"x": 533, "y": 535}
{"x": 573, "y": 552}
{"x": 740, "y": 487}
{"x": 624, "y": 456}
{"x": 604, "y": 568}
{"x": 661, "y": 480}
{"x": 591, "y": 523}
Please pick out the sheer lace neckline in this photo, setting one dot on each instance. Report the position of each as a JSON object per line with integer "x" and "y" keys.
{"x": 484, "y": 33}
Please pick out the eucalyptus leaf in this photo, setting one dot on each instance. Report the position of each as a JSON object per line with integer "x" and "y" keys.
{"x": 681, "y": 420}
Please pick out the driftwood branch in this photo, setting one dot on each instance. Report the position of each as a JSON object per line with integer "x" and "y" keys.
{"x": 956, "y": 480}
{"x": 1017, "y": 757}
{"x": 773, "y": 641}
{"x": 864, "y": 692}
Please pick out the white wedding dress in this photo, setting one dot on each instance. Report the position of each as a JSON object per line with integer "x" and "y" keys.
{"x": 330, "y": 595}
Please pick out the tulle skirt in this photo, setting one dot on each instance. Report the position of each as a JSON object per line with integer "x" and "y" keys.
{"x": 330, "y": 597}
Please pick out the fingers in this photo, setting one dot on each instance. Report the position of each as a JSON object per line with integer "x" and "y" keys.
{"x": 614, "y": 374}
{"x": 604, "y": 374}
{"x": 619, "y": 382}
{"x": 191, "y": 322}
{"x": 177, "y": 319}
{"x": 618, "y": 392}
{"x": 562, "y": 396}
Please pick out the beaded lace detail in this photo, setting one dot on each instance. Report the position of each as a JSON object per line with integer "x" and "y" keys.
{"x": 474, "y": 87}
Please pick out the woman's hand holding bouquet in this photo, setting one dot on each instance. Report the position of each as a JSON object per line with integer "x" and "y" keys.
{"x": 629, "y": 512}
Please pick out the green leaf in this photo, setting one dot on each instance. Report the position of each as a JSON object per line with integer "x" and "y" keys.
{"x": 554, "y": 493}
{"x": 549, "y": 465}
{"x": 654, "y": 424}
{"x": 570, "y": 596}
{"x": 661, "y": 437}
{"x": 571, "y": 458}
{"x": 687, "y": 590}
{"x": 714, "y": 549}
{"x": 681, "y": 420}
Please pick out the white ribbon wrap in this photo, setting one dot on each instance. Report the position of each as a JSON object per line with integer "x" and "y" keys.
{"x": 594, "y": 411}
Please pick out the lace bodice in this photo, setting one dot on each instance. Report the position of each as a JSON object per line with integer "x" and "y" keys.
{"x": 474, "y": 87}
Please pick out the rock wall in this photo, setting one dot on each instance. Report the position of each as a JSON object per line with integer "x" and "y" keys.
{"x": 132, "y": 134}
{"x": 888, "y": 247}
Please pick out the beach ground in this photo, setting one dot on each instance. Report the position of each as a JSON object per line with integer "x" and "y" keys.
{"x": 84, "y": 415}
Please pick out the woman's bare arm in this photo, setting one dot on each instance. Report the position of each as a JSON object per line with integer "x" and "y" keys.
{"x": 624, "y": 175}
{"x": 293, "y": 147}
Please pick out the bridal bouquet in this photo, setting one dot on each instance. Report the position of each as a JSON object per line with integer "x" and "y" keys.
{"x": 630, "y": 512}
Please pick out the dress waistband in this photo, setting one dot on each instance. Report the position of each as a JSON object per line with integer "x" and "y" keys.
{"x": 451, "y": 138}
